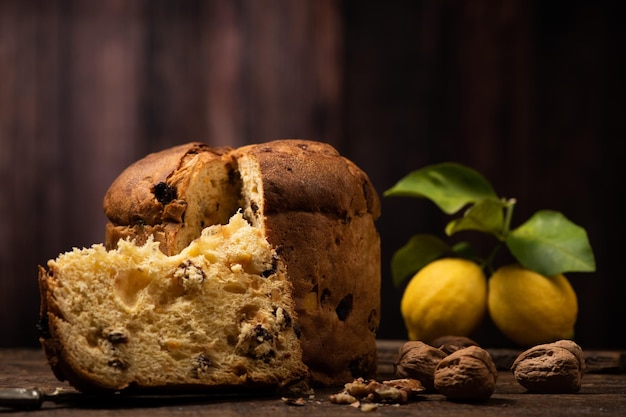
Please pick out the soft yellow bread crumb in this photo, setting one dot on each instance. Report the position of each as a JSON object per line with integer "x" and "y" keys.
{"x": 219, "y": 313}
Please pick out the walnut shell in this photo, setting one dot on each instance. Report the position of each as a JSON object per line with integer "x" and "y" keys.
{"x": 469, "y": 374}
{"x": 551, "y": 368}
{"x": 418, "y": 360}
{"x": 451, "y": 344}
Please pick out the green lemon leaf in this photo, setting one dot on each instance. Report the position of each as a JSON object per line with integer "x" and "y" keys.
{"x": 465, "y": 250}
{"x": 449, "y": 185}
{"x": 485, "y": 215}
{"x": 550, "y": 244}
{"x": 418, "y": 251}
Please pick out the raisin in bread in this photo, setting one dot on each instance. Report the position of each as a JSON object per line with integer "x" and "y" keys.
{"x": 219, "y": 314}
{"x": 317, "y": 209}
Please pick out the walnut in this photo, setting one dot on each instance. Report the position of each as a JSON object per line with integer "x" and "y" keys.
{"x": 409, "y": 388}
{"x": 469, "y": 374}
{"x": 387, "y": 394}
{"x": 396, "y": 391}
{"x": 360, "y": 387}
{"x": 551, "y": 368}
{"x": 418, "y": 360}
{"x": 451, "y": 344}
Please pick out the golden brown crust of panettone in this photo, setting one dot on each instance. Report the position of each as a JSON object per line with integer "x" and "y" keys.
{"x": 131, "y": 197}
{"x": 152, "y": 197}
{"x": 318, "y": 210}
{"x": 303, "y": 175}
{"x": 335, "y": 272}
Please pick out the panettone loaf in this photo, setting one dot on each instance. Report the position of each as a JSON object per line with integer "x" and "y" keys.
{"x": 316, "y": 208}
{"x": 217, "y": 315}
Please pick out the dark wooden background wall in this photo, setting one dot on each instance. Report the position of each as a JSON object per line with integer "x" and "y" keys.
{"x": 530, "y": 93}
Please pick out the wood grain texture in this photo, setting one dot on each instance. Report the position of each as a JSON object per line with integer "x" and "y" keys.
{"x": 87, "y": 88}
{"x": 600, "y": 394}
{"x": 531, "y": 94}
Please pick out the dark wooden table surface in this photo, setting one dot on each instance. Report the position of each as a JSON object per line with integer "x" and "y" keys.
{"x": 603, "y": 393}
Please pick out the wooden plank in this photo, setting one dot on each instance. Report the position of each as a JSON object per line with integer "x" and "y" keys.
{"x": 29, "y": 153}
{"x": 600, "y": 394}
{"x": 292, "y": 70}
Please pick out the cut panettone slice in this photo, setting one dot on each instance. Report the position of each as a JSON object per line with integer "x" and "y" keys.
{"x": 219, "y": 314}
{"x": 171, "y": 195}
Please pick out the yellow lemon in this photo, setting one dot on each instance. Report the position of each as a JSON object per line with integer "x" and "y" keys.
{"x": 446, "y": 297}
{"x": 530, "y": 308}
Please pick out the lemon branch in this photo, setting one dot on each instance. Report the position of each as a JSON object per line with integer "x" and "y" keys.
{"x": 509, "y": 205}
{"x": 488, "y": 263}
{"x": 547, "y": 243}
